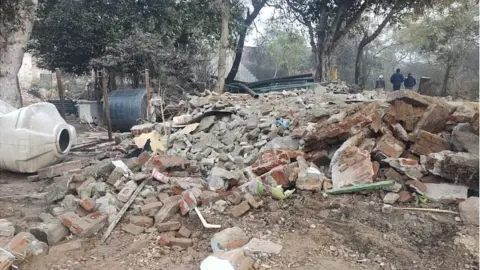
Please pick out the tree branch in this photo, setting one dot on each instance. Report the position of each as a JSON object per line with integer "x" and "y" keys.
{"x": 350, "y": 23}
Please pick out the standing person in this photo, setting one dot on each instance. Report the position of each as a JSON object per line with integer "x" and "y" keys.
{"x": 397, "y": 80}
{"x": 380, "y": 84}
{"x": 410, "y": 82}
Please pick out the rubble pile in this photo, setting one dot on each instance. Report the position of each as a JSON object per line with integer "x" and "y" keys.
{"x": 230, "y": 150}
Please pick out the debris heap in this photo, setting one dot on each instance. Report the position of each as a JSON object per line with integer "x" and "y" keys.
{"x": 230, "y": 150}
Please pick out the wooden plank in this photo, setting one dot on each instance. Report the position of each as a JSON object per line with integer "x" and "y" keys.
{"x": 124, "y": 209}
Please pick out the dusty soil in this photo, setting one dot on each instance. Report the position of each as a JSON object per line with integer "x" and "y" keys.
{"x": 336, "y": 232}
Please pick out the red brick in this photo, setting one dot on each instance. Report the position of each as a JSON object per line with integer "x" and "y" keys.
{"x": 166, "y": 162}
{"x": 151, "y": 209}
{"x": 388, "y": 146}
{"x": 417, "y": 186}
{"x": 357, "y": 118}
{"x": 188, "y": 202}
{"x": 181, "y": 242}
{"x": 426, "y": 143}
{"x": 405, "y": 196}
{"x": 163, "y": 241}
{"x": 88, "y": 204}
{"x": 278, "y": 174}
{"x": 85, "y": 226}
{"x": 137, "y": 130}
{"x": 168, "y": 226}
{"x": 21, "y": 245}
{"x": 69, "y": 218}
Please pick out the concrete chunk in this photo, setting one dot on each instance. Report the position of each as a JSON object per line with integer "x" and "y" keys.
{"x": 60, "y": 169}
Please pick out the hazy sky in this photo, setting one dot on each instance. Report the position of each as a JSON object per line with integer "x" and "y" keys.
{"x": 261, "y": 23}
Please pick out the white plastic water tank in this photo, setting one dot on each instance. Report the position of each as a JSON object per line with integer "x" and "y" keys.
{"x": 88, "y": 111}
{"x": 33, "y": 137}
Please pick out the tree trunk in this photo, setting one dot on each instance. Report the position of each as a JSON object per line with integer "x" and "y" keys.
{"x": 14, "y": 34}
{"x": 445, "y": 80}
{"x": 359, "y": 63}
{"x": 238, "y": 57}
{"x": 321, "y": 73}
{"x": 222, "y": 52}
{"x": 112, "y": 81}
{"x": 257, "y": 6}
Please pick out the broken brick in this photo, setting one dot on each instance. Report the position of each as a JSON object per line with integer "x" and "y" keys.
{"x": 151, "y": 209}
{"x": 267, "y": 162}
{"x": 168, "y": 226}
{"x": 388, "y": 146}
{"x": 418, "y": 186}
{"x": 252, "y": 201}
{"x": 335, "y": 130}
{"x": 167, "y": 162}
{"x": 61, "y": 169}
{"x": 163, "y": 241}
{"x": 278, "y": 174}
{"x": 133, "y": 229}
{"x": 409, "y": 97}
{"x": 405, "y": 196}
{"x": 410, "y": 167}
{"x": 167, "y": 211}
{"x": 230, "y": 238}
{"x": 426, "y": 143}
{"x": 142, "y": 221}
{"x": 352, "y": 167}
{"x": 239, "y": 210}
{"x": 392, "y": 174}
{"x": 184, "y": 232}
{"x": 138, "y": 130}
{"x": 434, "y": 119}
{"x": 310, "y": 179}
{"x": 181, "y": 242}
{"x": 88, "y": 204}
{"x": 85, "y": 226}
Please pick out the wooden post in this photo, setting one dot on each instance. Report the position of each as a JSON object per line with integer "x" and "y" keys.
{"x": 147, "y": 86}
{"x": 61, "y": 94}
{"x": 107, "y": 105}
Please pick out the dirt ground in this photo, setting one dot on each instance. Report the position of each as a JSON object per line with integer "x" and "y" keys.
{"x": 316, "y": 232}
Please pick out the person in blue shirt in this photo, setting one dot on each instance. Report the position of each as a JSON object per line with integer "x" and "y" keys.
{"x": 397, "y": 80}
{"x": 410, "y": 82}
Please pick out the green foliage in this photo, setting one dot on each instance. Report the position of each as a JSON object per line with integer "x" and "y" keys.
{"x": 445, "y": 35}
{"x": 288, "y": 50}
{"x": 125, "y": 35}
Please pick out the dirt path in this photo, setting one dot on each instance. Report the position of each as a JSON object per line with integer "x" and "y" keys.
{"x": 341, "y": 232}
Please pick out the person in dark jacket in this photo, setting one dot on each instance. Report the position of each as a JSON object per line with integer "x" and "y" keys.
{"x": 397, "y": 80}
{"x": 380, "y": 84}
{"x": 410, "y": 82}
